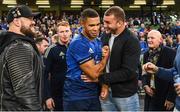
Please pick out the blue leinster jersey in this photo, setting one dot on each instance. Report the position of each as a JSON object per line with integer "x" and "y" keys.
{"x": 81, "y": 50}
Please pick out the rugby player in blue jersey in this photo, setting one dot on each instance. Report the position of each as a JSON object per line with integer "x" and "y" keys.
{"x": 84, "y": 56}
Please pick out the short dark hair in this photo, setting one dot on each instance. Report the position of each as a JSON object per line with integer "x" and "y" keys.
{"x": 40, "y": 39}
{"x": 117, "y": 11}
{"x": 88, "y": 13}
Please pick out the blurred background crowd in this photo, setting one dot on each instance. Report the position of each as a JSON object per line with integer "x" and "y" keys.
{"x": 166, "y": 21}
{"x": 167, "y": 24}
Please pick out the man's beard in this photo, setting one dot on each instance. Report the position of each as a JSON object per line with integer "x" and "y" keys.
{"x": 113, "y": 31}
{"x": 27, "y": 31}
{"x": 110, "y": 30}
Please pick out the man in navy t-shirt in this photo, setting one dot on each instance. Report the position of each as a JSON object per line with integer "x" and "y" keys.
{"x": 84, "y": 56}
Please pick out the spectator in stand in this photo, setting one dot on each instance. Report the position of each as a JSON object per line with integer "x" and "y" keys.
{"x": 143, "y": 42}
{"x": 133, "y": 29}
{"x": 147, "y": 29}
{"x": 168, "y": 29}
{"x": 142, "y": 28}
{"x": 177, "y": 28}
{"x": 162, "y": 28}
{"x": 50, "y": 34}
{"x": 169, "y": 41}
{"x": 136, "y": 21}
{"x": 4, "y": 24}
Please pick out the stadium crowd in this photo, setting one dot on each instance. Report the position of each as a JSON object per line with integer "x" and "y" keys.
{"x": 51, "y": 30}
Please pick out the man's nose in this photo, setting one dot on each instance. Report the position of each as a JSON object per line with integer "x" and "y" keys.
{"x": 96, "y": 28}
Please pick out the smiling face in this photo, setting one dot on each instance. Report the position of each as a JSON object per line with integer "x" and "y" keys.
{"x": 154, "y": 39}
{"x": 91, "y": 27}
{"x": 114, "y": 20}
{"x": 111, "y": 24}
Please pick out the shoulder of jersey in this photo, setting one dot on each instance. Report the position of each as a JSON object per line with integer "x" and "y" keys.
{"x": 48, "y": 50}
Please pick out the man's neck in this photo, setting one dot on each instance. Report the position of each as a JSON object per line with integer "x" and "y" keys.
{"x": 84, "y": 33}
{"x": 11, "y": 29}
{"x": 63, "y": 43}
{"x": 155, "y": 48}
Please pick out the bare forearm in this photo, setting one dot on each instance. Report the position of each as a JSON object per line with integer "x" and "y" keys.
{"x": 92, "y": 70}
{"x": 102, "y": 65}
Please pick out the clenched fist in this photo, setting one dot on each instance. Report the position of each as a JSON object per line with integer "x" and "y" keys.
{"x": 150, "y": 68}
{"x": 105, "y": 51}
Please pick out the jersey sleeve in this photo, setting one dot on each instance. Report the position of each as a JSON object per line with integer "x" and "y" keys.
{"x": 81, "y": 52}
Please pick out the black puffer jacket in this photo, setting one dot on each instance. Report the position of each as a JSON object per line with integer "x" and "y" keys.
{"x": 20, "y": 73}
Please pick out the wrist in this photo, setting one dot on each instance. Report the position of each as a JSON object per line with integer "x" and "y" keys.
{"x": 156, "y": 69}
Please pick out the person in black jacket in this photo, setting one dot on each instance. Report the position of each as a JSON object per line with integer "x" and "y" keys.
{"x": 160, "y": 94}
{"x": 55, "y": 65}
{"x": 121, "y": 71}
{"x": 20, "y": 63}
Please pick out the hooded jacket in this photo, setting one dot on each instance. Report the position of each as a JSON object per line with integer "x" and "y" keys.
{"x": 21, "y": 73}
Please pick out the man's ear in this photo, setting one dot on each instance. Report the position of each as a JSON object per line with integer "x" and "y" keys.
{"x": 82, "y": 23}
{"x": 17, "y": 22}
{"x": 161, "y": 40}
{"x": 120, "y": 23}
{"x": 38, "y": 46}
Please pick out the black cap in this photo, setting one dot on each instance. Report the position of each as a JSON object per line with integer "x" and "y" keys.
{"x": 20, "y": 11}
